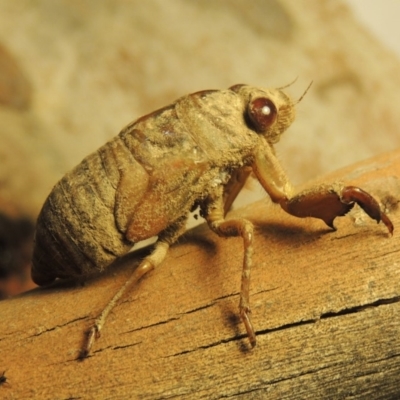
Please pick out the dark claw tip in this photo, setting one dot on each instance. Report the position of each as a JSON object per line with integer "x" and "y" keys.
{"x": 331, "y": 225}
{"x": 385, "y": 219}
{"x": 367, "y": 203}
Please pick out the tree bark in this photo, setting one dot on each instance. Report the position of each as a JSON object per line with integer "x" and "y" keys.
{"x": 325, "y": 306}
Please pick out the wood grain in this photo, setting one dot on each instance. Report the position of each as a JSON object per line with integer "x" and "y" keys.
{"x": 326, "y": 307}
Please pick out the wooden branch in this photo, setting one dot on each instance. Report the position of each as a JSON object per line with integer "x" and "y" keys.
{"x": 325, "y": 306}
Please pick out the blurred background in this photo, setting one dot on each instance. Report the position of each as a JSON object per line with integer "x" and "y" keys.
{"x": 74, "y": 72}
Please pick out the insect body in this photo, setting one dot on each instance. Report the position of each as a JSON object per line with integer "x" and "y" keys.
{"x": 197, "y": 152}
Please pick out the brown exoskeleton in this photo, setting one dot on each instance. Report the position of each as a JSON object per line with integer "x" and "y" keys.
{"x": 196, "y": 152}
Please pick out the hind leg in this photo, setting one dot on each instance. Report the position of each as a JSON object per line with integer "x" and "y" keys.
{"x": 165, "y": 240}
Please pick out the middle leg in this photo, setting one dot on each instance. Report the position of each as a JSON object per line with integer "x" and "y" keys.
{"x": 213, "y": 211}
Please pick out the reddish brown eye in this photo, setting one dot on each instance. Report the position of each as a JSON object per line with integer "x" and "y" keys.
{"x": 262, "y": 113}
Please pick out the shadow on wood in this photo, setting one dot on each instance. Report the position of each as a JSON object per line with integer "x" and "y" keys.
{"x": 325, "y": 305}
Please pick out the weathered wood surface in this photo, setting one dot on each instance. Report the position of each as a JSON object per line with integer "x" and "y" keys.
{"x": 326, "y": 307}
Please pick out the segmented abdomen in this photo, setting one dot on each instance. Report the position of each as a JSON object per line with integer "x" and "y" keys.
{"x": 76, "y": 232}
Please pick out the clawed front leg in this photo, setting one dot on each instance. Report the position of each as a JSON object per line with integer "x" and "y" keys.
{"x": 325, "y": 202}
{"x": 329, "y": 202}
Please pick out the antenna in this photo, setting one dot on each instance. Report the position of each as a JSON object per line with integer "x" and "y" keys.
{"x": 301, "y": 97}
{"x": 289, "y": 84}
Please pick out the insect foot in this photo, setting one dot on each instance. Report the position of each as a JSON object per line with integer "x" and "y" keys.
{"x": 195, "y": 153}
{"x": 3, "y": 378}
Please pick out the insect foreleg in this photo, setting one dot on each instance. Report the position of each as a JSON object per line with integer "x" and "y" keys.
{"x": 214, "y": 214}
{"x": 324, "y": 201}
{"x": 165, "y": 239}
{"x": 330, "y": 201}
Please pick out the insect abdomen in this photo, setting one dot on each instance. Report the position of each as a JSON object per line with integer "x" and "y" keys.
{"x": 76, "y": 232}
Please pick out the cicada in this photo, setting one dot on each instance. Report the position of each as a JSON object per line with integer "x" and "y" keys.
{"x": 195, "y": 153}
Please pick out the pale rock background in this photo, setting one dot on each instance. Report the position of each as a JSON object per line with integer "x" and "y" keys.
{"x": 74, "y": 72}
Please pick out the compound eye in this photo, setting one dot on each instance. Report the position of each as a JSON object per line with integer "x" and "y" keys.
{"x": 262, "y": 113}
